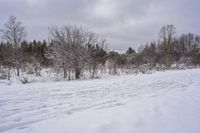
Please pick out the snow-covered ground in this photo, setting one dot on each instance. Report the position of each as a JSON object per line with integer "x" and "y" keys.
{"x": 162, "y": 102}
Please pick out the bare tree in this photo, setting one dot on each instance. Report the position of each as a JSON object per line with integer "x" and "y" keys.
{"x": 96, "y": 52}
{"x": 167, "y": 34}
{"x": 69, "y": 48}
{"x": 60, "y": 48}
{"x": 14, "y": 33}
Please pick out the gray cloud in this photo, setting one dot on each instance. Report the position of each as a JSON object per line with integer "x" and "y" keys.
{"x": 123, "y": 22}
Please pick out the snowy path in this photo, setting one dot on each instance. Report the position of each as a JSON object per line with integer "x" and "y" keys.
{"x": 22, "y": 106}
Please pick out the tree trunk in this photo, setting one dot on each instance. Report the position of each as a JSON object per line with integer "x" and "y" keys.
{"x": 93, "y": 71}
{"x": 65, "y": 73}
{"x": 9, "y": 73}
{"x": 77, "y": 73}
{"x": 69, "y": 77}
{"x": 17, "y": 70}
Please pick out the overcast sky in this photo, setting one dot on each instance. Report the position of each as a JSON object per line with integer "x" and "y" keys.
{"x": 123, "y": 23}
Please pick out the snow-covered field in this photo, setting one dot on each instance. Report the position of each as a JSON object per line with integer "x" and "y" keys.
{"x": 162, "y": 102}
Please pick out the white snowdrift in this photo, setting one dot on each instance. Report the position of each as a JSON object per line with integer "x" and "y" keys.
{"x": 163, "y": 102}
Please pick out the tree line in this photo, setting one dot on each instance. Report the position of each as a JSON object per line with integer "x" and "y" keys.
{"x": 166, "y": 51}
{"x": 170, "y": 49}
{"x": 74, "y": 49}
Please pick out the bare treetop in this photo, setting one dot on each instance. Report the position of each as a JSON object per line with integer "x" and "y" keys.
{"x": 167, "y": 33}
{"x": 13, "y": 32}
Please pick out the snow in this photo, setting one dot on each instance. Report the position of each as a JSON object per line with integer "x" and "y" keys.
{"x": 163, "y": 102}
